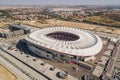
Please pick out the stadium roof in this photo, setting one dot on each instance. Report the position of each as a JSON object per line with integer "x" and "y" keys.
{"x": 72, "y": 41}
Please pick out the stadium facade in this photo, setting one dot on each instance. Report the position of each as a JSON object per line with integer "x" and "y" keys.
{"x": 64, "y": 44}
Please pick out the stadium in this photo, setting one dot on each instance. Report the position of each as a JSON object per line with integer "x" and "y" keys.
{"x": 64, "y": 44}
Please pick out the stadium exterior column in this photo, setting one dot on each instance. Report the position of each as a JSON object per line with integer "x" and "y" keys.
{"x": 77, "y": 59}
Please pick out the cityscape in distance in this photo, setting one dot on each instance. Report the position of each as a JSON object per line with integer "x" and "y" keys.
{"x": 59, "y": 40}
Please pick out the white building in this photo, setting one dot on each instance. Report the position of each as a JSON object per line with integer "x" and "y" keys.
{"x": 64, "y": 44}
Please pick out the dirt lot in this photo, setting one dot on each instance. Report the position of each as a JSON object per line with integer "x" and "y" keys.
{"x": 54, "y": 22}
{"x": 5, "y": 74}
{"x": 86, "y": 26}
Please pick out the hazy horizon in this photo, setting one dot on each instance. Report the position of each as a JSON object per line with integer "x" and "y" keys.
{"x": 59, "y": 2}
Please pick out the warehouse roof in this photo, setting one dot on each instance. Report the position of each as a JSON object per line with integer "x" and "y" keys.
{"x": 19, "y": 26}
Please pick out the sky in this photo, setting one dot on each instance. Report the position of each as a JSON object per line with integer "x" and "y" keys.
{"x": 60, "y": 2}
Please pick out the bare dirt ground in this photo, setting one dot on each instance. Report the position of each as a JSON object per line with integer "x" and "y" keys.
{"x": 86, "y": 26}
{"x": 81, "y": 25}
{"x": 54, "y": 22}
{"x": 5, "y": 74}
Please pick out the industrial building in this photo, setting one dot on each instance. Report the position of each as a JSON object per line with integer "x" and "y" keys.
{"x": 64, "y": 44}
{"x": 14, "y": 27}
{"x": 7, "y": 33}
{"x": 14, "y": 30}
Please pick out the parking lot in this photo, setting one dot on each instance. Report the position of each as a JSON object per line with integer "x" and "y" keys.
{"x": 35, "y": 63}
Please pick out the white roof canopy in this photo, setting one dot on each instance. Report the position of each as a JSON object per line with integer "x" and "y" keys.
{"x": 87, "y": 44}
